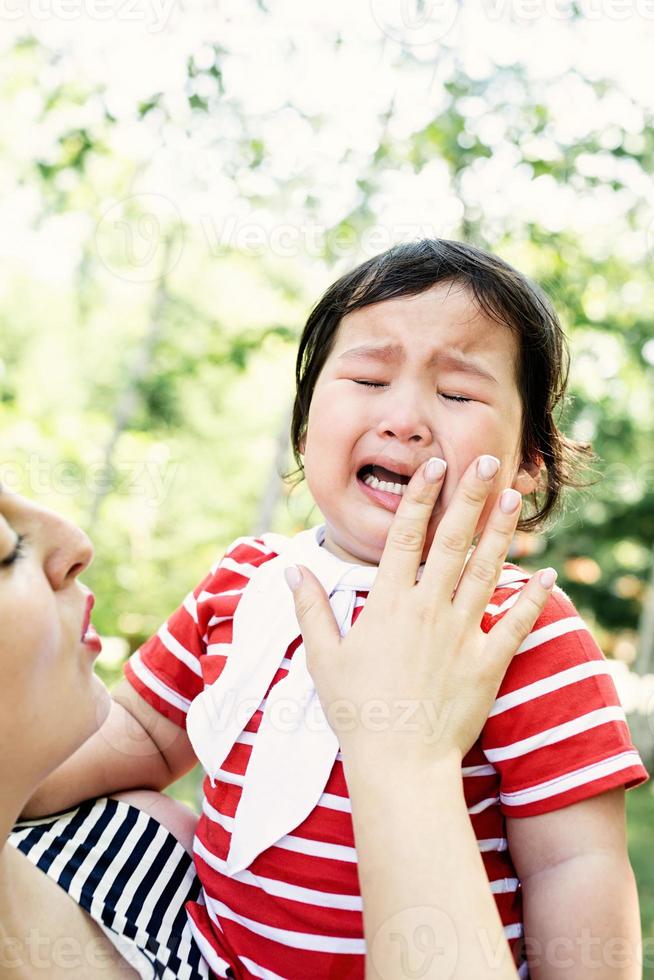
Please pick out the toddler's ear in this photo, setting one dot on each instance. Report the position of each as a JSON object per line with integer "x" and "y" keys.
{"x": 528, "y": 477}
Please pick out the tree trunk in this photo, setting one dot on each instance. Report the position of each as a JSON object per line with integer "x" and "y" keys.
{"x": 645, "y": 662}
{"x": 273, "y": 488}
{"x": 129, "y": 399}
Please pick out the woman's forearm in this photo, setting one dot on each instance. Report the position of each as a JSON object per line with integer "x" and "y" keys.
{"x": 120, "y": 755}
{"x": 427, "y": 907}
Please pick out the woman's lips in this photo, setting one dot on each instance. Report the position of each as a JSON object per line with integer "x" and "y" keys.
{"x": 92, "y": 640}
{"x": 89, "y": 636}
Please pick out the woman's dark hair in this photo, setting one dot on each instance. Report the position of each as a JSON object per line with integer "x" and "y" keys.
{"x": 503, "y": 294}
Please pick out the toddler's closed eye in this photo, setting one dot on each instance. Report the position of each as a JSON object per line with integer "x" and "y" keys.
{"x": 461, "y": 399}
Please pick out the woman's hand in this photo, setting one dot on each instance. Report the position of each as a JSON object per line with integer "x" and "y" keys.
{"x": 416, "y": 676}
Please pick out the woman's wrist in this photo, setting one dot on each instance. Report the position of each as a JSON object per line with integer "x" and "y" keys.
{"x": 369, "y": 766}
{"x": 420, "y": 869}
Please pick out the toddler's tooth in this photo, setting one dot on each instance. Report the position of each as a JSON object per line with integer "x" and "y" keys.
{"x": 376, "y": 484}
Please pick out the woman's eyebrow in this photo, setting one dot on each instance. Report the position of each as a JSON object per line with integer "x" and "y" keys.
{"x": 393, "y": 353}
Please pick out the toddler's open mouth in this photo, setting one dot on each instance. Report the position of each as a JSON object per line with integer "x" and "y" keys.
{"x": 380, "y": 478}
{"x": 383, "y": 486}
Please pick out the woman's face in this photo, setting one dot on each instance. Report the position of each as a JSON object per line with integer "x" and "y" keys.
{"x": 50, "y": 700}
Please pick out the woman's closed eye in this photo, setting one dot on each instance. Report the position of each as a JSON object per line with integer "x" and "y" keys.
{"x": 450, "y": 398}
{"x": 17, "y": 552}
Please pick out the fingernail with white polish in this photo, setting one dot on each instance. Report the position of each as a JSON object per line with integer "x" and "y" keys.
{"x": 510, "y": 501}
{"x": 293, "y": 576}
{"x": 548, "y": 578}
{"x": 487, "y": 467}
{"x": 435, "y": 469}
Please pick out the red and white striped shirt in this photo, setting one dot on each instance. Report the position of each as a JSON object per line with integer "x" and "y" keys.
{"x": 556, "y": 735}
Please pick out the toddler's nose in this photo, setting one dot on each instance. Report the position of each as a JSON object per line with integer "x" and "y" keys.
{"x": 407, "y": 426}
{"x": 405, "y": 414}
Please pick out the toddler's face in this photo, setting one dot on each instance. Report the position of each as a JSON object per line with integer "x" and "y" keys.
{"x": 446, "y": 351}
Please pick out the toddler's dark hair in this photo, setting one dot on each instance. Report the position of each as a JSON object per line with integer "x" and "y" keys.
{"x": 503, "y": 294}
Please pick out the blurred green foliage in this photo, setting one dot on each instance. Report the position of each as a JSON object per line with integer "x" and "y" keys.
{"x": 145, "y": 377}
{"x": 640, "y": 817}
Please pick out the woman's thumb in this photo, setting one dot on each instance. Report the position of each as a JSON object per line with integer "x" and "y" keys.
{"x": 314, "y": 613}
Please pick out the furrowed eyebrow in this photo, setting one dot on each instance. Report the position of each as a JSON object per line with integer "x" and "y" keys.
{"x": 392, "y": 354}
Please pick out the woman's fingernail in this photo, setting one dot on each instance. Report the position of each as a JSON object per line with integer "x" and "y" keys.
{"x": 293, "y": 577}
{"x": 435, "y": 469}
{"x": 510, "y": 501}
{"x": 487, "y": 467}
{"x": 548, "y": 577}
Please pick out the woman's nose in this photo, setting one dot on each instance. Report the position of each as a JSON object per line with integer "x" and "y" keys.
{"x": 69, "y": 552}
